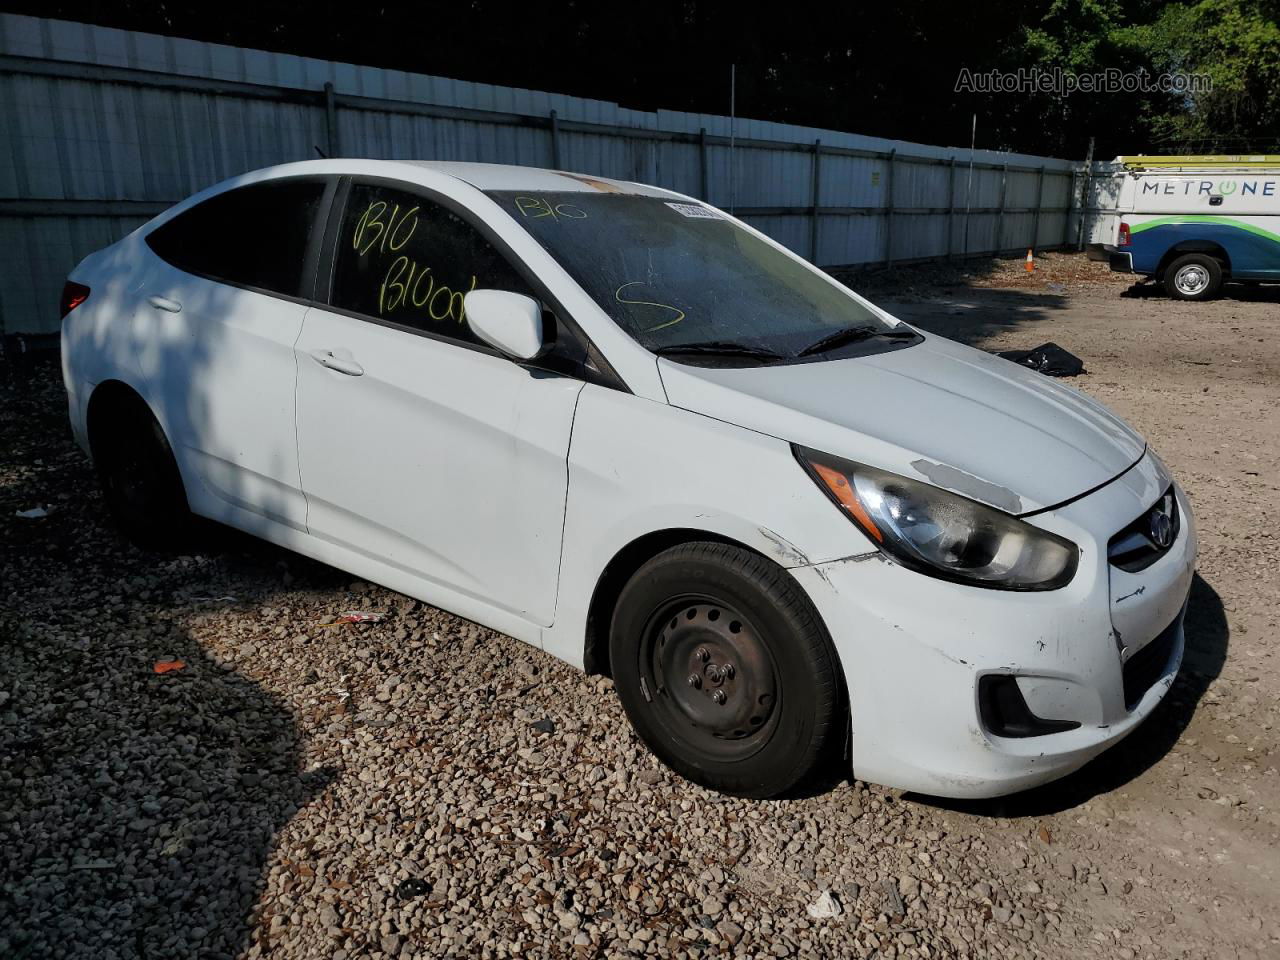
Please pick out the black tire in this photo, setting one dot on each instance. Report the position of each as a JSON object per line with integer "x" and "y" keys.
{"x": 767, "y": 712}
{"x": 139, "y": 477}
{"x": 1193, "y": 276}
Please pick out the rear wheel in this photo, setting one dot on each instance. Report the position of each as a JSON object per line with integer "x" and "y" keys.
{"x": 1193, "y": 276}
{"x": 139, "y": 477}
{"x": 726, "y": 671}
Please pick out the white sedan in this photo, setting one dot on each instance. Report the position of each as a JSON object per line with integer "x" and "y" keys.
{"x": 617, "y": 423}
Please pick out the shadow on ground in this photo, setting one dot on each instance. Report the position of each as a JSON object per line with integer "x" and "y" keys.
{"x": 939, "y": 272}
{"x": 139, "y": 807}
{"x": 1207, "y": 636}
{"x": 974, "y": 316}
{"x": 1241, "y": 292}
{"x": 142, "y": 806}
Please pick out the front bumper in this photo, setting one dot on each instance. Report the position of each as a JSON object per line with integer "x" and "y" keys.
{"x": 915, "y": 648}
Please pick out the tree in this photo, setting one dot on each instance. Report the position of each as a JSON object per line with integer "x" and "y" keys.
{"x": 887, "y": 70}
{"x": 1236, "y": 45}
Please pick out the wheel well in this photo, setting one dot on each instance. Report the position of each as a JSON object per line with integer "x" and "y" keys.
{"x": 1206, "y": 247}
{"x": 595, "y": 654}
{"x": 111, "y": 400}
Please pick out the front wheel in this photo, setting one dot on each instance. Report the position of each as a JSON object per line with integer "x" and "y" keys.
{"x": 727, "y": 673}
{"x": 1193, "y": 276}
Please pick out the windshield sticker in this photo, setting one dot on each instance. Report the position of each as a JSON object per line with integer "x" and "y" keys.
{"x": 535, "y": 207}
{"x": 617, "y": 295}
{"x": 695, "y": 210}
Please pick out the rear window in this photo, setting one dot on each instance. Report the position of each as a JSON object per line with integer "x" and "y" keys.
{"x": 254, "y": 236}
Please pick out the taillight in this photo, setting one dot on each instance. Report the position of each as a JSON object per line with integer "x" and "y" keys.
{"x": 73, "y": 294}
{"x": 1124, "y": 235}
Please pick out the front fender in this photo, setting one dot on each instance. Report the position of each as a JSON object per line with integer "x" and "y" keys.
{"x": 638, "y": 466}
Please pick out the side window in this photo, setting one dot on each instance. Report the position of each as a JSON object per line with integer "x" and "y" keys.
{"x": 405, "y": 259}
{"x": 256, "y": 235}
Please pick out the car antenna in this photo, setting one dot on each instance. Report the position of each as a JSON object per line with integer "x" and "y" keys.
{"x": 323, "y": 155}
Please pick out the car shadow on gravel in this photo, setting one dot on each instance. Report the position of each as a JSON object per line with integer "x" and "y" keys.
{"x": 138, "y": 809}
{"x": 142, "y": 806}
{"x": 1207, "y": 635}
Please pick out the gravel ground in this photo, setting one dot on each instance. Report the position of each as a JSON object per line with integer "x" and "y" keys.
{"x": 423, "y": 786}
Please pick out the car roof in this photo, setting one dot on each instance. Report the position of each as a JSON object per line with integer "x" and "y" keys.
{"x": 504, "y": 176}
{"x": 482, "y": 176}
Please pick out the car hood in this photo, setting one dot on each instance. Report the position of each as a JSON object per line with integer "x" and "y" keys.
{"x": 959, "y": 418}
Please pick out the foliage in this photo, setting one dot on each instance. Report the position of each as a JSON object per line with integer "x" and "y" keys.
{"x": 888, "y": 70}
{"x": 1236, "y": 43}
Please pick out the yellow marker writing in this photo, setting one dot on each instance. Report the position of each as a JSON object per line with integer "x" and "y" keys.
{"x": 617, "y": 295}
{"x": 535, "y": 207}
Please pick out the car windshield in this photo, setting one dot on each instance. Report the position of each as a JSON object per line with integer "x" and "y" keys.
{"x": 681, "y": 278}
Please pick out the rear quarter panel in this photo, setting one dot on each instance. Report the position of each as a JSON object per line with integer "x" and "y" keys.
{"x": 97, "y": 340}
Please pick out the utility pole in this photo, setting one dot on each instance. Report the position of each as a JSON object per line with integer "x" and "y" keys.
{"x": 733, "y": 113}
{"x": 1084, "y": 199}
{"x": 968, "y": 190}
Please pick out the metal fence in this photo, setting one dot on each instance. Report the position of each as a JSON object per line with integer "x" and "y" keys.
{"x": 105, "y": 128}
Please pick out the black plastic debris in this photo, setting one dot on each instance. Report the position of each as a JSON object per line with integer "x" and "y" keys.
{"x": 413, "y": 887}
{"x": 545, "y": 725}
{"x": 1048, "y": 358}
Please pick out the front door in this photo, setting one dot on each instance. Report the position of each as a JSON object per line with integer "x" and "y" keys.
{"x": 419, "y": 446}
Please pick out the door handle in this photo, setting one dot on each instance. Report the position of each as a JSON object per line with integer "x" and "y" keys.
{"x": 164, "y": 303}
{"x": 327, "y": 358}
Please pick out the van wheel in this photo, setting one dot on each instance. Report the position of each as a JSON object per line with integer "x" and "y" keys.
{"x": 140, "y": 479}
{"x": 726, "y": 671}
{"x": 1193, "y": 276}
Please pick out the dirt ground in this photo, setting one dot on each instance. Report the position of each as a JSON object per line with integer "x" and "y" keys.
{"x": 425, "y": 787}
{"x": 1193, "y": 809}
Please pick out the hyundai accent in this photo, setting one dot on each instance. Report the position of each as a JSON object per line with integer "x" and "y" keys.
{"x": 801, "y": 536}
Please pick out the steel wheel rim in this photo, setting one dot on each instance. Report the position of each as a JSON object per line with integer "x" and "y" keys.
{"x": 1191, "y": 279}
{"x": 713, "y": 683}
{"x": 135, "y": 476}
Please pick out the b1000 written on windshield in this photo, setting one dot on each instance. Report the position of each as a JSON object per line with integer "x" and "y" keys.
{"x": 680, "y": 274}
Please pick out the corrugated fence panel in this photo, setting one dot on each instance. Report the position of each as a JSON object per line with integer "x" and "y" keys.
{"x": 107, "y": 122}
{"x": 35, "y": 262}
{"x": 790, "y": 231}
{"x": 1103, "y": 197}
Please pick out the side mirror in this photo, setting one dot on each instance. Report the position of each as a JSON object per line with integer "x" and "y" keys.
{"x": 508, "y": 321}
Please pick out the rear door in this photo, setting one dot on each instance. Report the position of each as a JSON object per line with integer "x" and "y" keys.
{"x": 221, "y": 305}
{"x": 420, "y": 447}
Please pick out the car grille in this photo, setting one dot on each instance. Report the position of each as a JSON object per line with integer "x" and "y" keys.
{"x": 1148, "y": 538}
{"x": 1148, "y": 665}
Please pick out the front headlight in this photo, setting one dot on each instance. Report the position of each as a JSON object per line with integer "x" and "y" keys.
{"x": 940, "y": 533}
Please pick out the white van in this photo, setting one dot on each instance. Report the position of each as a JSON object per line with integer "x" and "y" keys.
{"x": 1193, "y": 222}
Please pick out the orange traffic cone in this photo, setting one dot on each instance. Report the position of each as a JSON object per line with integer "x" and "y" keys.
{"x": 1031, "y": 261}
